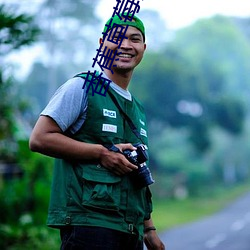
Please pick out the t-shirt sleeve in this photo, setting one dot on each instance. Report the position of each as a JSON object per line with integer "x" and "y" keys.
{"x": 68, "y": 105}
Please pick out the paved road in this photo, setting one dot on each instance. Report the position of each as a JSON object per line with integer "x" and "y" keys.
{"x": 226, "y": 230}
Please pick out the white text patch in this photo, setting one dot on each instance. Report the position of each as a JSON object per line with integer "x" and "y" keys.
{"x": 109, "y": 128}
{"x": 109, "y": 113}
{"x": 143, "y": 132}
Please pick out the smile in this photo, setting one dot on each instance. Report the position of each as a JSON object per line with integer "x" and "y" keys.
{"x": 125, "y": 56}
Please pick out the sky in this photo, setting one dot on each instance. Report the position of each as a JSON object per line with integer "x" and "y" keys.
{"x": 181, "y": 13}
{"x": 176, "y": 14}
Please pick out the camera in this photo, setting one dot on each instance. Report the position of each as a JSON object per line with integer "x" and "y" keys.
{"x": 142, "y": 176}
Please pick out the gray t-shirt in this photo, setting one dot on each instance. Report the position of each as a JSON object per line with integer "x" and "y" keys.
{"x": 68, "y": 106}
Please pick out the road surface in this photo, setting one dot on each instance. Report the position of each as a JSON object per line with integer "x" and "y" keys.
{"x": 227, "y": 230}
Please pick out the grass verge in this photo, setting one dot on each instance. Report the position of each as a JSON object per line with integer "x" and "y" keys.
{"x": 170, "y": 213}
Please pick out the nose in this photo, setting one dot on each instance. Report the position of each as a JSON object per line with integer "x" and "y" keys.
{"x": 126, "y": 44}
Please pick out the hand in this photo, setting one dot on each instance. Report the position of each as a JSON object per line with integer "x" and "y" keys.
{"x": 152, "y": 241}
{"x": 115, "y": 162}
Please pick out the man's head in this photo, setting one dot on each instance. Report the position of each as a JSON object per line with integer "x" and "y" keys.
{"x": 127, "y": 39}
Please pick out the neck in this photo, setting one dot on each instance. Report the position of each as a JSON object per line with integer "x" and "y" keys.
{"x": 122, "y": 79}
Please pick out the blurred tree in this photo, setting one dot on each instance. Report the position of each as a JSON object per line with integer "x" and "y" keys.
{"x": 198, "y": 85}
{"x": 68, "y": 32}
{"x": 217, "y": 45}
{"x": 36, "y": 81}
{"x": 230, "y": 114}
{"x": 186, "y": 83}
{"x": 244, "y": 25}
{"x": 16, "y": 31}
{"x": 7, "y": 105}
{"x": 157, "y": 34}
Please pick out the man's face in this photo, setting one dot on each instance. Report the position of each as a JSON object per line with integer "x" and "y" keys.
{"x": 130, "y": 52}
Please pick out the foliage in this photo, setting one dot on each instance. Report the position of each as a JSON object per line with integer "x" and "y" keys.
{"x": 243, "y": 24}
{"x": 219, "y": 49}
{"x": 24, "y": 235}
{"x": 194, "y": 91}
{"x": 229, "y": 113}
{"x": 15, "y": 30}
{"x": 69, "y": 43}
{"x": 31, "y": 192}
{"x": 24, "y": 202}
{"x": 6, "y": 107}
{"x": 69, "y": 32}
{"x": 196, "y": 96}
{"x": 38, "y": 80}
{"x": 74, "y": 38}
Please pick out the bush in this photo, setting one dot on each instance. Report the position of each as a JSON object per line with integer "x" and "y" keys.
{"x": 24, "y": 204}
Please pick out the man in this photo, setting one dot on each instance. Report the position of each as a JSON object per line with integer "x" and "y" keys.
{"x": 95, "y": 202}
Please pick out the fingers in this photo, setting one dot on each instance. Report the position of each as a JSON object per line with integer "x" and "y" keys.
{"x": 115, "y": 162}
{"x": 121, "y": 165}
{"x": 124, "y": 146}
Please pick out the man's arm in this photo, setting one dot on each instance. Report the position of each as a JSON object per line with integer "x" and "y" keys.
{"x": 151, "y": 239}
{"x": 47, "y": 138}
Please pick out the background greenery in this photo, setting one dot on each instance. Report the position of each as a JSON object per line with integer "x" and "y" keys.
{"x": 194, "y": 84}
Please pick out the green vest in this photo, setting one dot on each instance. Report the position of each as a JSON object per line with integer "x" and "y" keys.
{"x": 86, "y": 193}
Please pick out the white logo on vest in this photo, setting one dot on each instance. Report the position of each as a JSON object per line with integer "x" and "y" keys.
{"x": 109, "y": 128}
{"x": 109, "y": 113}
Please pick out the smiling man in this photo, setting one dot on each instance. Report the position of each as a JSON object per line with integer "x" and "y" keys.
{"x": 130, "y": 48}
{"x": 95, "y": 198}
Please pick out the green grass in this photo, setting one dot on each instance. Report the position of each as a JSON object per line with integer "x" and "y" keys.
{"x": 170, "y": 213}
{"x": 167, "y": 214}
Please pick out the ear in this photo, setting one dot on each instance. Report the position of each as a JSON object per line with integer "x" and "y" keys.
{"x": 145, "y": 46}
{"x": 100, "y": 40}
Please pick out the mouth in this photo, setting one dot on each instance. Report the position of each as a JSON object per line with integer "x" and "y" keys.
{"x": 125, "y": 55}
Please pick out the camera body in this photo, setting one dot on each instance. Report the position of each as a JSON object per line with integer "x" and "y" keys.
{"x": 142, "y": 177}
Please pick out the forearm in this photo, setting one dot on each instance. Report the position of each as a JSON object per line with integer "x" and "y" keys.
{"x": 151, "y": 239}
{"x": 148, "y": 223}
{"x": 47, "y": 138}
{"x": 60, "y": 146}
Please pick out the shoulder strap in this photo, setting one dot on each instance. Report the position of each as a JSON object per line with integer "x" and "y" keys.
{"x": 82, "y": 75}
{"x": 125, "y": 116}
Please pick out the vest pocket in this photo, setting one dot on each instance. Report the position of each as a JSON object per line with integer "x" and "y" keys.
{"x": 101, "y": 188}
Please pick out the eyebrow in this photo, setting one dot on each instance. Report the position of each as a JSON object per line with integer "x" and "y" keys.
{"x": 136, "y": 35}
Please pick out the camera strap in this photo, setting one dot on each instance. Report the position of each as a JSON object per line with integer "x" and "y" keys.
{"x": 126, "y": 117}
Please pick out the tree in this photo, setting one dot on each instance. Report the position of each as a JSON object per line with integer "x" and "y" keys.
{"x": 68, "y": 33}
{"x": 186, "y": 83}
{"x": 16, "y": 31}
{"x": 196, "y": 96}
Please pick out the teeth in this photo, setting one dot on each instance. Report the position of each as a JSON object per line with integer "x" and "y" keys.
{"x": 125, "y": 56}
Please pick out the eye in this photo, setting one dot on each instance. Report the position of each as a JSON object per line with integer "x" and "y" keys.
{"x": 136, "y": 39}
{"x": 117, "y": 38}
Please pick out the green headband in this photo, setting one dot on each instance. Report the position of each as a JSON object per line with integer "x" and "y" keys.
{"x": 137, "y": 23}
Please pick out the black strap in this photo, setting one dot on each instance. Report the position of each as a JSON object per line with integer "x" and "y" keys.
{"x": 126, "y": 117}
